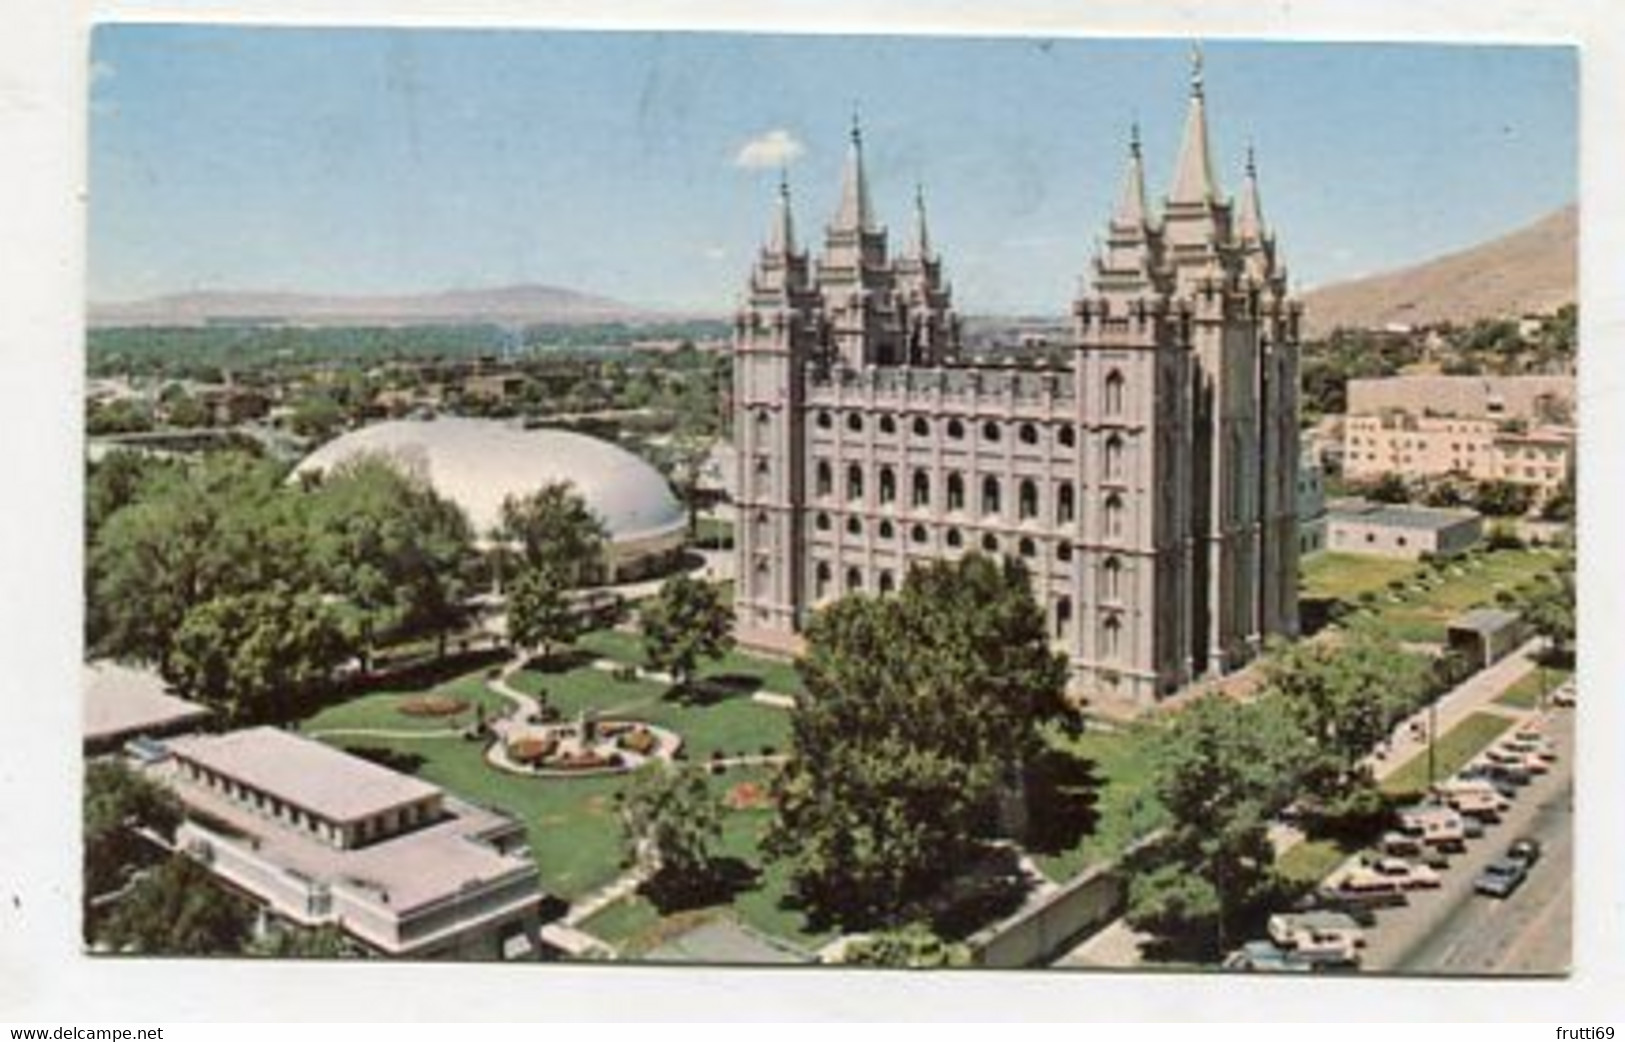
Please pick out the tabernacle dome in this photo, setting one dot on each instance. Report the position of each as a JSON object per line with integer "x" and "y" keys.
{"x": 477, "y": 464}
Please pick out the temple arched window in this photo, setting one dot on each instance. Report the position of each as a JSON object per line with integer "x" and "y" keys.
{"x": 956, "y": 430}
{"x": 921, "y": 491}
{"x": 824, "y": 478}
{"x": 990, "y": 431}
{"x": 1063, "y": 617}
{"x": 1111, "y": 579}
{"x": 1112, "y": 517}
{"x": 955, "y": 539}
{"x": 887, "y": 583}
{"x": 854, "y": 580}
{"x": 956, "y": 491}
{"x": 821, "y": 521}
{"x": 1066, "y": 506}
{"x": 922, "y": 427}
{"x": 1029, "y": 434}
{"x": 854, "y": 422}
{"x": 1111, "y": 638}
{"x": 917, "y": 534}
{"x": 1067, "y": 435}
{"x": 821, "y": 579}
{"x": 990, "y": 495}
{"x": 1027, "y": 499}
{"x": 888, "y": 485}
{"x": 1027, "y": 548}
{"x": 854, "y": 481}
{"x": 888, "y": 425}
{"x": 1112, "y": 458}
{"x": 825, "y": 420}
{"x": 854, "y": 526}
{"x": 990, "y": 543}
{"x": 1113, "y": 393}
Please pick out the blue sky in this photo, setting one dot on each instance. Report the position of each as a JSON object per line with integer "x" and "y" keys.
{"x": 622, "y": 163}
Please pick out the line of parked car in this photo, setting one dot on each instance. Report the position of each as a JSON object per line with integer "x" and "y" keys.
{"x": 1326, "y": 929}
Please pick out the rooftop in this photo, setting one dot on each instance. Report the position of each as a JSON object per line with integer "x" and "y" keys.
{"x": 122, "y": 701}
{"x": 1484, "y": 620}
{"x": 304, "y": 772}
{"x": 1396, "y": 515}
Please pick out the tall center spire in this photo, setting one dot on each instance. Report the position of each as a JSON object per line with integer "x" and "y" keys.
{"x": 1193, "y": 177}
{"x": 853, "y": 214}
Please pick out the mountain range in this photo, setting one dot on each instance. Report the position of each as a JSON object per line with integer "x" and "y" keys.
{"x": 504, "y": 305}
{"x": 1529, "y": 271}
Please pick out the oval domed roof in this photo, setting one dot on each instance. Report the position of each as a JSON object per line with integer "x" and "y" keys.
{"x": 479, "y": 463}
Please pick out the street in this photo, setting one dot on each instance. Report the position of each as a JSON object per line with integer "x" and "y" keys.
{"x": 1455, "y": 931}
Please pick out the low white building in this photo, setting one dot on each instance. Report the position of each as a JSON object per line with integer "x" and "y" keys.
{"x": 1383, "y": 530}
{"x": 318, "y": 836}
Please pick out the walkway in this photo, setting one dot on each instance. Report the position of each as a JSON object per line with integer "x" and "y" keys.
{"x": 1119, "y": 945}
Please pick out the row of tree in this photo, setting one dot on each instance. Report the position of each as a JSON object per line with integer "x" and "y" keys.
{"x": 248, "y": 593}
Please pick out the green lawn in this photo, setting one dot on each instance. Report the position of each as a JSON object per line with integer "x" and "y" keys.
{"x": 1311, "y": 861}
{"x": 381, "y": 710}
{"x": 1526, "y": 692}
{"x": 776, "y": 676}
{"x": 1419, "y": 615}
{"x": 1123, "y": 813}
{"x": 1339, "y": 576}
{"x": 1455, "y": 747}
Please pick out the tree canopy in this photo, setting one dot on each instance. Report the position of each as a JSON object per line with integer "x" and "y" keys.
{"x": 553, "y": 527}
{"x": 922, "y": 708}
{"x": 116, "y": 802}
{"x": 540, "y": 614}
{"x": 671, "y": 816}
{"x": 688, "y": 621}
{"x": 179, "y": 909}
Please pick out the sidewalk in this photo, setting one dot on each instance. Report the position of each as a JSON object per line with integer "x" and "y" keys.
{"x": 1118, "y": 945}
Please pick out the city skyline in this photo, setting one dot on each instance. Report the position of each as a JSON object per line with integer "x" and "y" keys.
{"x": 384, "y": 161}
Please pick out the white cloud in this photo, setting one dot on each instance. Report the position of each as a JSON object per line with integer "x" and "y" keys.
{"x": 101, "y": 72}
{"x": 714, "y": 253}
{"x": 774, "y": 148}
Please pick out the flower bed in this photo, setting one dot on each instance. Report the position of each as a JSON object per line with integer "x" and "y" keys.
{"x": 532, "y": 751}
{"x": 748, "y": 796}
{"x": 431, "y": 705}
{"x": 640, "y": 740}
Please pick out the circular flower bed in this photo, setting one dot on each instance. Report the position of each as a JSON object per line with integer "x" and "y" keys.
{"x": 431, "y": 705}
{"x": 532, "y": 751}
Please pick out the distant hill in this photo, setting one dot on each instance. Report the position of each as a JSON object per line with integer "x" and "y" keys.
{"x": 505, "y": 305}
{"x": 1531, "y": 270}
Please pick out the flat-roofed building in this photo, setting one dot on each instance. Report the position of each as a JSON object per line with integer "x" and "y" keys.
{"x": 1419, "y": 446}
{"x": 1358, "y": 527}
{"x": 319, "y": 836}
{"x": 1485, "y": 635}
{"x": 122, "y": 703}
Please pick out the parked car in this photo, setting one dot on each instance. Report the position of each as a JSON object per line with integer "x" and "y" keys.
{"x": 1564, "y": 693}
{"x": 1478, "y": 798}
{"x": 1408, "y": 874}
{"x": 1315, "y": 929}
{"x": 1400, "y": 844}
{"x": 1525, "y": 850}
{"x": 1265, "y": 957}
{"x": 1500, "y": 878}
{"x": 1361, "y": 913}
{"x": 1479, "y": 772}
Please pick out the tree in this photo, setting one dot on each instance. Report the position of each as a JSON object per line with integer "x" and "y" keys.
{"x": 1548, "y": 607}
{"x": 540, "y": 612}
{"x": 554, "y": 527}
{"x": 1390, "y": 488}
{"x": 224, "y": 525}
{"x": 317, "y": 417}
{"x": 1345, "y": 696}
{"x": 672, "y": 819}
{"x": 914, "y": 946}
{"x": 1561, "y": 505}
{"x": 258, "y": 656}
{"x": 180, "y": 910}
{"x": 686, "y": 622}
{"x": 1501, "y": 498}
{"x": 922, "y": 709}
{"x": 321, "y": 942}
{"x": 1220, "y": 770}
{"x": 117, "y": 801}
{"x": 186, "y": 411}
{"x": 398, "y": 554}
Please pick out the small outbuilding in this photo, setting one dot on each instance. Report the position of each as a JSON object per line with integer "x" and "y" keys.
{"x": 1485, "y": 635}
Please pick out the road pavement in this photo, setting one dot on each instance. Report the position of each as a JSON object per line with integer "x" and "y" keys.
{"x": 1456, "y": 931}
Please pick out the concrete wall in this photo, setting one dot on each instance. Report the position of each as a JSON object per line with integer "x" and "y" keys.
{"x": 1043, "y": 929}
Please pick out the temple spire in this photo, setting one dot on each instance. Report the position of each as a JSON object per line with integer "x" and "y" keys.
{"x": 1131, "y": 209}
{"x": 853, "y": 213}
{"x": 922, "y": 234}
{"x": 1193, "y": 177}
{"x": 1250, "y": 215}
{"x": 781, "y": 237}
